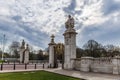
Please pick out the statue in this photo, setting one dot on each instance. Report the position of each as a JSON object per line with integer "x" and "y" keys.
{"x": 69, "y": 23}
{"x": 23, "y": 44}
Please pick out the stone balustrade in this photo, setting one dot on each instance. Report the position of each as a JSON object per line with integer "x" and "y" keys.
{"x": 101, "y": 65}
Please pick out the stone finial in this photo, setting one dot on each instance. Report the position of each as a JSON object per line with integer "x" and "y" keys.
{"x": 52, "y": 38}
{"x": 27, "y": 46}
{"x": 70, "y": 22}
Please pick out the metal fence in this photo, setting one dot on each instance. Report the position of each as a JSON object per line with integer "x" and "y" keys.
{"x": 33, "y": 64}
{"x": 17, "y": 66}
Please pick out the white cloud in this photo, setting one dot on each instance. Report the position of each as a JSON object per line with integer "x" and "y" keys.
{"x": 92, "y": 13}
{"x": 117, "y": 0}
{"x": 5, "y": 7}
{"x": 48, "y": 16}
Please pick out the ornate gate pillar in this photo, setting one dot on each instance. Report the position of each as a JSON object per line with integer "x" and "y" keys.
{"x": 24, "y": 53}
{"x": 21, "y": 52}
{"x": 52, "y": 52}
{"x": 70, "y": 43}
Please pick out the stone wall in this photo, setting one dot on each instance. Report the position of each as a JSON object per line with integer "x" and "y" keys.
{"x": 119, "y": 65}
{"x": 101, "y": 65}
{"x": 77, "y": 64}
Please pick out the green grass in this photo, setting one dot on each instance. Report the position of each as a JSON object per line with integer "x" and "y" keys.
{"x": 35, "y": 75}
{"x": 1, "y": 61}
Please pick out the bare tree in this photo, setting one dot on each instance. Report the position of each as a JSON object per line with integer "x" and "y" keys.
{"x": 14, "y": 48}
{"x": 93, "y": 48}
{"x": 112, "y": 50}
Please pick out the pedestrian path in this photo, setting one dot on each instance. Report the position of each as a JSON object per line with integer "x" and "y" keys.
{"x": 72, "y": 73}
{"x": 85, "y": 75}
{"x": 5, "y": 71}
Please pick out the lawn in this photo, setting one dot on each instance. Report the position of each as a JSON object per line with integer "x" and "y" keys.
{"x": 36, "y": 75}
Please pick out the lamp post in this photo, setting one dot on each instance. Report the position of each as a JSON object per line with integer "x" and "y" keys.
{"x": 3, "y": 45}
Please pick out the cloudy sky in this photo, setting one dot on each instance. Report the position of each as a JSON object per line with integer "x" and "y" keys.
{"x": 35, "y": 20}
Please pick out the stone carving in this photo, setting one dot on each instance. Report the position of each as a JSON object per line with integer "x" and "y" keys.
{"x": 69, "y": 23}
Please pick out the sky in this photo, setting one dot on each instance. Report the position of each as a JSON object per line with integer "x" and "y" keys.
{"x": 35, "y": 21}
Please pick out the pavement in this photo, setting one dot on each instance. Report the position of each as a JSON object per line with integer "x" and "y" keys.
{"x": 72, "y": 73}
{"x": 6, "y": 71}
{"x": 85, "y": 75}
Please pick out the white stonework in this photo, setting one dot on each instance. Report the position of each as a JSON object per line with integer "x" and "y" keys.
{"x": 116, "y": 65}
{"x": 100, "y": 65}
{"x": 21, "y": 55}
{"x": 85, "y": 64}
{"x": 51, "y": 52}
{"x": 24, "y": 53}
{"x": 70, "y": 44}
{"x": 51, "y": 55}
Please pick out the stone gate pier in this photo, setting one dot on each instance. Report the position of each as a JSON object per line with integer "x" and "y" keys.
{"x": 70, "y": 43}
{"x": 52, "y": 52}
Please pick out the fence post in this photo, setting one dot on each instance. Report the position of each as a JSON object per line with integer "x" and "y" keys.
{"x": 14, "y": 62}
{"x": 50, "y": 66}
{"x": 8, "y": 62}
{"x": 1, "y": 67}
{"x": 43, "y": 66}
{"x": 14, "y": 66}
{"x": 25, "y": 66}
{"x": 35, "y": 66}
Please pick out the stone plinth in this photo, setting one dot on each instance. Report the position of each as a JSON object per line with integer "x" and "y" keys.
{"x": 51, "y": 55}
{"x": 21, "y": 52}
{"x": 26, "y": 60}
{"x": 86, "y": 63}
{"x": 70, "y": 48}
{"x": 76, "y": 63}
{"x": 116, "y": 65}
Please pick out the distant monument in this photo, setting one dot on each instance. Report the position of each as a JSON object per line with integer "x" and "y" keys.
{"x": 24, "y": 53}
{"x": 70, "y": 43}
